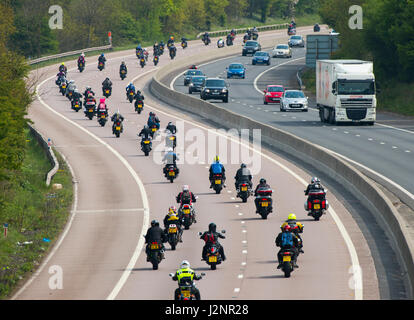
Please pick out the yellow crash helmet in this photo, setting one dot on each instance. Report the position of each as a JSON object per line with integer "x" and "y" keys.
{"x": 291, "y": 216}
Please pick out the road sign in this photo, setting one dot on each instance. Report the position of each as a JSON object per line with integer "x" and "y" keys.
{"x": 320, "y": 46}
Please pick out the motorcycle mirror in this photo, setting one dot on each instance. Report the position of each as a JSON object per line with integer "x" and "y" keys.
{"x": 196, "y": 197}
{"x": 203, "y": 274}
{"x": 223, "y": 231}
{"x": 199, "y": 233}
{"x": 171, "y": 274}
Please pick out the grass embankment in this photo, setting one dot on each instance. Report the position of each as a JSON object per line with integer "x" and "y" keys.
{"x": 35, "y": 214}
{"x": 394, "y": 96}
{"x": 191, "y": 35}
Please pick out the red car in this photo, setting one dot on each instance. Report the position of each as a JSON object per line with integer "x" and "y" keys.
{"x": 273, "y": 94}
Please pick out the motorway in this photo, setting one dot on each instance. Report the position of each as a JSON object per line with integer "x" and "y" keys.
{"x": 118, "y": 191}
{"x": 387, "y": 147}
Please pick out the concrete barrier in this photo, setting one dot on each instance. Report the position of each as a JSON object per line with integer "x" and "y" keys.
{"x": 351, "y": 178}
{"x": 49, "y": 152}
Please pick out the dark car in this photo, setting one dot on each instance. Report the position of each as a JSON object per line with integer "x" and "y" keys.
{"x": 261, "y": 57}
{"x": 215, "y": 88}
{"x": 250, "y": 47}
{"x": 190, "y": 73}
{"x": 196, "y": 84}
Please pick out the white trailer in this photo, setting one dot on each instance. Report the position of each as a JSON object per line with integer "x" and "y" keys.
{"x": 345, "y": 91}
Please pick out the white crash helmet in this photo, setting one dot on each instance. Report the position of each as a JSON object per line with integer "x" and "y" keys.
{"x": 185, "y": 187}
{"x": 185, "y": 264}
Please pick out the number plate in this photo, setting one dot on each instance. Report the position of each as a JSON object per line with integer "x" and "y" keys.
{"x": 218, "y": 182}
{"x": 212, "y": 259}
{"x": 171, "y": 173}
{"x": 186, "y": 211}
{"x": 146, "y": 142}
{"x": 265, "y": 204}
{"x": 103, "y": 116}
{"x": 154, "y": 129}
{"x": 287, "y": 258}
{"x": 118, "y": 128}
{"x": 185, "y": 293}
{"x": 140, "y": 106}
{"x": 172, "y": 230}
{"x": 91, "y": 110}
{"x": 316, "y": 206}
{"x": 107, "y": 91}
{"x": 154, "y": 246}
{"x": 76, "y": 106}
{"x": 131, "y": 93}
{"x": 243, "y": 188}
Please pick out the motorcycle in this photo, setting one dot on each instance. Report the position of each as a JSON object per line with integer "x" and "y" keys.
{"x": 69, "y": 95}
{"x": 186, "y": 288}
{"x": 146, "y": 146}
{"x": 186, "y": 211}
{"x": 244, "y": 191}
{"x": 154, "y": 130}
{"x": 264, "y": 199}
{"x": 161, "y": 50}
{"x": 139, "y": 106}
{"x": 130, "y": 95}
{"x": 218, "y": 183}
{"x": 81, "y": 66}
{"x": 206, "y": 41}
{"x": 255, "y": 36}
{"x": 229, "y": 41}
{"x": 318, "y": 205}
{"x": 220, "y": 44}
{"x": 171, "y": 173}
{"x": 156, "y": 60}
{"x": 142, "y": 62}
{"x": 172, "y": 141}
{"x": 123, "y": 74}
{"x": 173, "y": 235}
{"x": 213, "y": 256}
{"x": 101, "y": 118}
{"x": 101, "y": 66}
{"x": 287, "y": 262}
{"x": 76, "y": 105}
{"x": 117, "y": 129}
{"x": 316, "y": 28}
{"x": 107, "y": 92}
{"x": 172, "y": 54}
{"x": 63, "y": 88}
{"x": 90, "y": 108}
{"x": 155, "y": 255}
{"x": 184, "y": 44}
{"x": 291, "y": 31}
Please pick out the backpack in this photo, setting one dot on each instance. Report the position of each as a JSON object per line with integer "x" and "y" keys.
{"x": 287, "y": 239}
{"x": 216, "y": 168}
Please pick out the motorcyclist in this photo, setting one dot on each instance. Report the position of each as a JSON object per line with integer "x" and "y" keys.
{"x": 60, "y": 78}
{"x": 210, "y": 237}
{"x": 63, "y": 68}
{"x": 81, "y": 59}
{"x": 123, "y": 67}
{"x": 145, "y": 133}
{"x": 153, "y": 120}
{"x": 170, "y": 42}
{"x": 156, "y": 58}
{"x": 229, "y": 38}
{"x": 296, "y": 228}
{"x": 246, "y": 37}
{"x": 138, "y": 50}
{"x": 170, "y": 139}
{"x": 262, "y": 186}
{"x": 316, "y": 27}
{"x": 184, "y": 40}
{"x": 130, "y": 87}
{"x": 117, "y": 117}
{"x": 217, "y": 168}
{"x": 314, "y": 186}
{"x": 77, "y": 96}
{"x": 185, "y": 275}
{"x": 107, "y": 84}
{"x": 156, "y": 48}
{"x": 145, "y": 54}
{"x": 193, "y": 66}
{"x": 171, "y": 127}
{"x": 102, "y": 59}
{"x": 186, "y": 196}
{"x": 243, "y": 175}
{"x": 220, "y": 43}
{"x": 173, "y": 218}
{"x": 170, "y": 158}
{"x": 87, "y": 91}
{"x": 70, "y": 88}
{"x": 287, "y": 241}
{"x": 162, "y": 45}
{"x": 89, "y": 97}
{"x": 206, "y": 36}
{"x": 102, "y": 107}
{"x": 155, "y": 234}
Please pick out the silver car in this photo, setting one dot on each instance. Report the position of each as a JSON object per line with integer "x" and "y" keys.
{"x": 294, "y": 100}
{"x": 282, "y": 50}
{"x": 296, "y": 41}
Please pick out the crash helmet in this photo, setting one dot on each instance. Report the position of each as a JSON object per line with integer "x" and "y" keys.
{"x": 243, "y": 165}
{"x": 216, "y": 159}
{"x": 145, "y": 126}
{"x": 315, "y": 180}
{"x": 102, "y": 55}
{"x": 172, "y": 210}
{"x": 154, "y": 223}
{"x": 212, "y": 227}
{"x": 287, "y": 228}
{"x": 291, "y": 216}
{"x": 82, "y": 54}
{"x": 262, "y": 180}
{"x": 185, "y": 264}
{"x": 186, "y": 188}
{"x": 172, "y": 38}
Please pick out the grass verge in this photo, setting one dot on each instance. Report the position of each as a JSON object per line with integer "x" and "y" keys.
{"x": 35, "y": 213}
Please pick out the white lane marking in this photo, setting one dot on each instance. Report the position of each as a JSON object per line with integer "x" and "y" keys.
{"x": 244, "y": 251}
{"x": 394, "y": 147}
{"x": 110, "y": 210}
{"x": 138, "y": 181}
{"x": 351, "y": 248}
{"x": 395, "y": 128}
{"x": 61, "y": 238}
{"x": 240, "y": 214}
{"x": 240, "y": 276}
{"x": 408, "y": 151}
{"x": 236, "y": 289}
{"x": 243, "y": 263}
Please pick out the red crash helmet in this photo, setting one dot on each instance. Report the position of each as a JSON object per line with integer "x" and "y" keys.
{"x": 287, "y": 228}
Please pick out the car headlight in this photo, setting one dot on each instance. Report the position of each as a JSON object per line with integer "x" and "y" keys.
{"x": 207, "y": 90}
{"x": 191, "y": 84}
{"x": 224, "y": 90}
